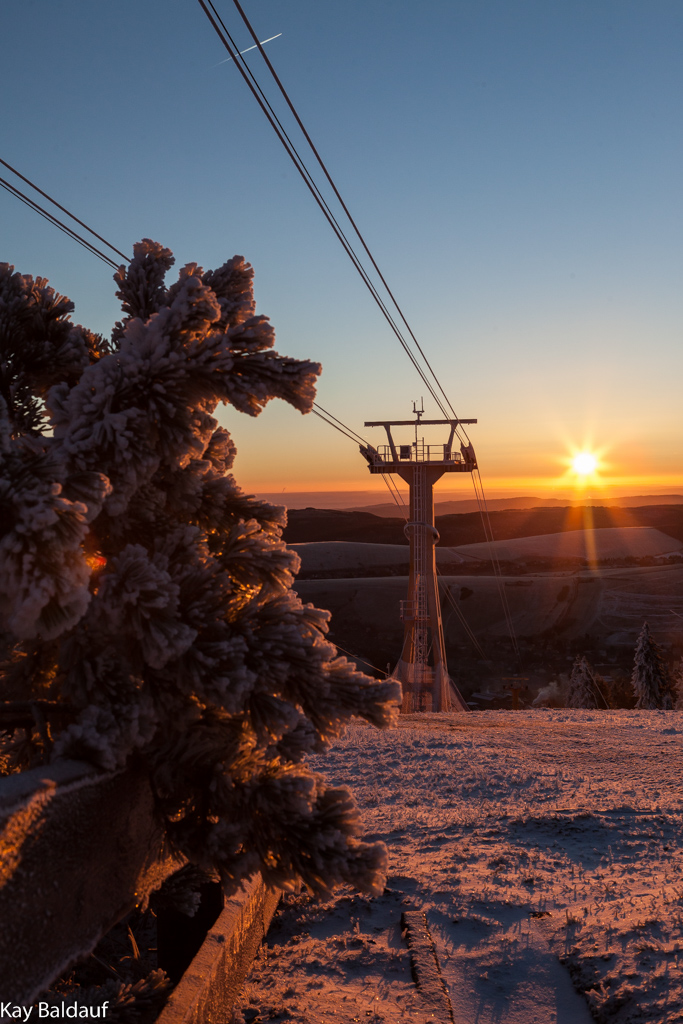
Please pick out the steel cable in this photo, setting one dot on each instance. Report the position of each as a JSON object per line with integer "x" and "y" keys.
{"x": 13, "y": 190}
{"x": 488, "y": 532}
{"x": 63, "y": 209}
{"x": 228, "y": 42}
{"x": 355, "y": 657}
{"x": 463, "y": 621}
{"x": 343, "y": 205}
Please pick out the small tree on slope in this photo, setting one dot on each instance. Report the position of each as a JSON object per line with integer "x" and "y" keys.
{"x": 582, "y": 690}
{"x": 142, "y": 589}
{"x": 650, "y": 679}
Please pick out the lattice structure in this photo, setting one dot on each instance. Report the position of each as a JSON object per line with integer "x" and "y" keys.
{"x": 422, "y": 667}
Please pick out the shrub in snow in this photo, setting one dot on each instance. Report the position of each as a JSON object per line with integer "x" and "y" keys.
{"x": 619, "y": 690}
{"x": 142, "y": 590}
{"x": 554, "y": 695}
{"x": 582, "y": 691}
{"x": 650, "y": 679}
{"x": 678, "y": 686}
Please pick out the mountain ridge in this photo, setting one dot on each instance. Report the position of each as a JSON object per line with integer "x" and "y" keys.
{"x": 310, "y": 524}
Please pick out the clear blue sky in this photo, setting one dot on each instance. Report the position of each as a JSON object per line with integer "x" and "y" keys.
{"x": 515, "y": 166}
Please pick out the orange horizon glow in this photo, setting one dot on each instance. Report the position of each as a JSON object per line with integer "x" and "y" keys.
{"x": 537, "y": 462}
{"x": 555, "y": 476}
{"x": 564, "y": 485}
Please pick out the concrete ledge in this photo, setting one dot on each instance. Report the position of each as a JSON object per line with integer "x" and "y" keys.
{"x": 424, "y": 966}
{"x": 79, "y": 849}
{"x": 209, "y": 987}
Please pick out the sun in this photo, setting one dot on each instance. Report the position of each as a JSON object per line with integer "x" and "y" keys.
{"x": 584, "y": 464}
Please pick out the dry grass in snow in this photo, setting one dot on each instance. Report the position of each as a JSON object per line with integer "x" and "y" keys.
{"x": 531, "y": 839}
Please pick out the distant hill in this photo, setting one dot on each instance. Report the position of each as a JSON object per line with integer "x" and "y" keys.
{"x": 310, "y": 524}
{"x": 448, "y": 501}
{"x": 442, "y": 508}
{"x": 338, "y": 557}
{"x": 305, "y": 525}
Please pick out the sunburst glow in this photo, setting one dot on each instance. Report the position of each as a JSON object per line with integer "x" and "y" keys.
{"x": 584, "y": 464}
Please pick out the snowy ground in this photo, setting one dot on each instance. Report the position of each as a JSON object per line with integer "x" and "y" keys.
{"x": 594, "y": 545}
{"x": 533, "y": 840}
{"x": 610, "y": 604}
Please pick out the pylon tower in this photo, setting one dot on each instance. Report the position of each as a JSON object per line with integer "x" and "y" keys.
{"x": 422, "y": 668}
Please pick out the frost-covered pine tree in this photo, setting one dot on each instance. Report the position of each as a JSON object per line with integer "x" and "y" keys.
{"x": 652, "y": 684}
{"x": 148, "y": 598}
{"x": 677, "y": 683}
{"x": 582, "y": 689}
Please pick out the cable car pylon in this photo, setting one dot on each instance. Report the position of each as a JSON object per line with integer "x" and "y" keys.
{"x": 422, "y": 668}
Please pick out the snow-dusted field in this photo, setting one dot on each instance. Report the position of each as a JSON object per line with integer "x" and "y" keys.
{"x": 605, "y": 542}
{"x": 344, "y": 554}
{"x": 608, "y": 603}
{"x": 612, "y": 542}
{"x": 532, "y": 839}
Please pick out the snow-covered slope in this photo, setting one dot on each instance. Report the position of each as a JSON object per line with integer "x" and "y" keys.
{"x": 340, "y": 554}
{"x": 492, "y": 819}
{"x": 594, "y": 545}
{"x": 609, "y": 603}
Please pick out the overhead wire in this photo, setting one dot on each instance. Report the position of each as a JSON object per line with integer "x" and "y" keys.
{"x": 602, "y": 696}
{"x": 333, "y": 425}
{"x": 355, "y": 657}
{"x": 63, "y": 209}
{"x": 488, "y": 533}
{"x": 13, "y": 190}
{"x": 318, "y": 410}
{"x": 343, "y": 205}
{"x": 303, "y": 170}
{"x": 260, "y": 97}
{"x": 461, "y": 617}
{"x": 349, "y": 432}
{"x": 396, "y": 495}
{"x": 323, "y": 414}
{"x": 357, "y": 437}
{"x": 231, "y": 47}
{"x": 301, "y": 167}
{"x": 479, "y": 492}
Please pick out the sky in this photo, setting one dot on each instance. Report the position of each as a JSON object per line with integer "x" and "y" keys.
{"x": 513, "y": 164}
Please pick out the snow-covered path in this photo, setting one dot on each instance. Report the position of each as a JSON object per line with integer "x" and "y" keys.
{"x": 529, "y": 838}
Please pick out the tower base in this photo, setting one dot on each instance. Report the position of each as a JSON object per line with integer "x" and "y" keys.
{"x": 427, "y": 689}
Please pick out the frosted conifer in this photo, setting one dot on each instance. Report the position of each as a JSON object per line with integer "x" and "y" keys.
{"x": 677, "y": 684}
{"x": 650, "y": 678}
{"x": 582, "y": 690}
{"x": 146, "y": 594}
